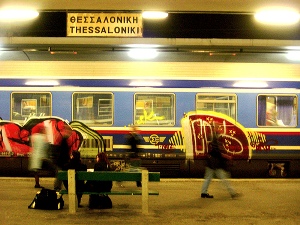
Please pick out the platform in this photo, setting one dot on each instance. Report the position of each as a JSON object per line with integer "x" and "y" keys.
{"x": 263, "y": 201}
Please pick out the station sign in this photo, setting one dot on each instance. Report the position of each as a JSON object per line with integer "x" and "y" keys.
{"x": 104, "y": 24}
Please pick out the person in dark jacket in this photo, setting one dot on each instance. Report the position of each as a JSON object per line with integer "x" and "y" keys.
{"x": 216, "y": 165}
{"x": 102, "y": 164}
{"x": 75, "y": 163}
{"x": 100, "y": 201}
{"x": 134, "y": 141}
{"x": 60, "y": 154}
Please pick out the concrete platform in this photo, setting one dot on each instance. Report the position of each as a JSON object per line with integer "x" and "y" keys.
{"x": 264, "y": 201}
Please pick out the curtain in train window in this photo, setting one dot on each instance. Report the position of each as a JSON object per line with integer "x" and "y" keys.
{"x": 154, "y": 109}
{"x": 27, "y": 104}
{"x": 275, "y": 110}
{"x": 93, "y": 108}
{"x": 222, "y": 103}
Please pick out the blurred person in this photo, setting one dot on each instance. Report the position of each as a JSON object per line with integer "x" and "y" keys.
{"x": 134, "y": 140}
{"x": 76, "y": 164}
{"x": 60, "y": 155}
{"x": 216, "y": 165}
{"x": 39, "y": 146}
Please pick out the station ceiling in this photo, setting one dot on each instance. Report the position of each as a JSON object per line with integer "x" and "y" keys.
{"x": 170, "y": 50}
{"x": 237, "y": 6}
{"x": 196, "y": 31}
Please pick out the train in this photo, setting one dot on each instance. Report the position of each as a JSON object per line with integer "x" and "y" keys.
{"x": 257, "y": 125}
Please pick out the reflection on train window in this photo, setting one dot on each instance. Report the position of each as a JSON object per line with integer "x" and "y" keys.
{"x": 93, "y": 108}
{"x": 222, "y": 103}
{"x": 277, "y": 110}
{"x": 27, "y": 104}
{"x": 154, "y": 109}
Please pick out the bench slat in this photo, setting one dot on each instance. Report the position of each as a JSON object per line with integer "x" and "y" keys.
{"x": 109, "y": 176}
{"x": 133, "y": 192}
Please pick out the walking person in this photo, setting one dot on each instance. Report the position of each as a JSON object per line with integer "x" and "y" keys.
{"x": 39, "y": 147}
{"x": 60, "y": 155}
{"x": 75, "y": 163}
{"x": 134, "y": 140}
{"x": 216, "y": 165}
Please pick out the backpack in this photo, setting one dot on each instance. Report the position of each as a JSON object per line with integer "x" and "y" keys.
{"x": 47, "y": 199}
{"x": 100, "y": 202}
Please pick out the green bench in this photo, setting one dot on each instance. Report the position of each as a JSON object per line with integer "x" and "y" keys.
{"x": 144, "y": 176}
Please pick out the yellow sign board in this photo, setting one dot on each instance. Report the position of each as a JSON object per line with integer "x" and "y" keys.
{"x": 105, "y": 24}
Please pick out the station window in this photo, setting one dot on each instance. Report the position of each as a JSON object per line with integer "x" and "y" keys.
{"x": 27, "y": 104}
{"x": 277, "y": 110}
{"x": 93, "y": 108}
{"x": 221, "y": 103}
{"x": 154, "y": 109}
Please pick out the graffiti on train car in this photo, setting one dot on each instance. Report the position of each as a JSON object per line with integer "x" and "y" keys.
{"x": 259, "y": 142}
{"x": 15, "y": 139}
{"x": 237, "y": 141}
{"x": 149, "y": 117}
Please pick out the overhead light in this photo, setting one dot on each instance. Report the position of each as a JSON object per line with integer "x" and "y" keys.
{"x": 250, "y": 84}
{"x": 17, "y": 14}
{"x": 294, "y": 56}
{"x": 277, "y": 16}
{"x": 145, "y": 83}
{"x": 154, "y": 15}
{"x": 145, "y": 46}
{"x": 42, "y": 83}
{"x": 142, "y": 54}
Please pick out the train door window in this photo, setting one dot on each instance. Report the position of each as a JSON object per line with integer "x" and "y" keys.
{"x": 27, "y": 104}
{"x": 277, "y": 110}
{"x": 93, "y": 108}
{"x": 154, "y": 109}
{"x": 222, "y": 103}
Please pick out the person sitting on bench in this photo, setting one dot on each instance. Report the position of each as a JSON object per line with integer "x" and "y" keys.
{"x": 97, "y": 201}
{"x": 75, "y": 163}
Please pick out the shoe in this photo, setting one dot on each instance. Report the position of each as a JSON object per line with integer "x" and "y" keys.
{"x": 206, "y": 195}
{"x": 37, "y": 186}
{"x": 235, "y": 196}
{"x": 80, "y": 206}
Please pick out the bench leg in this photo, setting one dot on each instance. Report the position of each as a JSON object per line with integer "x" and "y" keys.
{"x": 72, "y": 192}
{"x": 145, "y": 196}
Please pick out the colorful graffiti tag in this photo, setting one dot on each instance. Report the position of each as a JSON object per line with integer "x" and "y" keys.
{"x": 149, "y": 117}
{"x": 237, "y": 141}
{"x": 15, "y": 139}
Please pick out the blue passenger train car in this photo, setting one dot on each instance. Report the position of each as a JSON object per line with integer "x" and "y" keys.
{"x": 257, "y": 127}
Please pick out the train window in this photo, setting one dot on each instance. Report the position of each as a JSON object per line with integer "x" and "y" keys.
{"x": 222, "y": 103}
{"x": 277, "y": 110}
{"x": 154, "y": 109}
{"x": 93, "y": 108}
{"x": 90, "y": 146}
{"x": 27, "y": 104}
